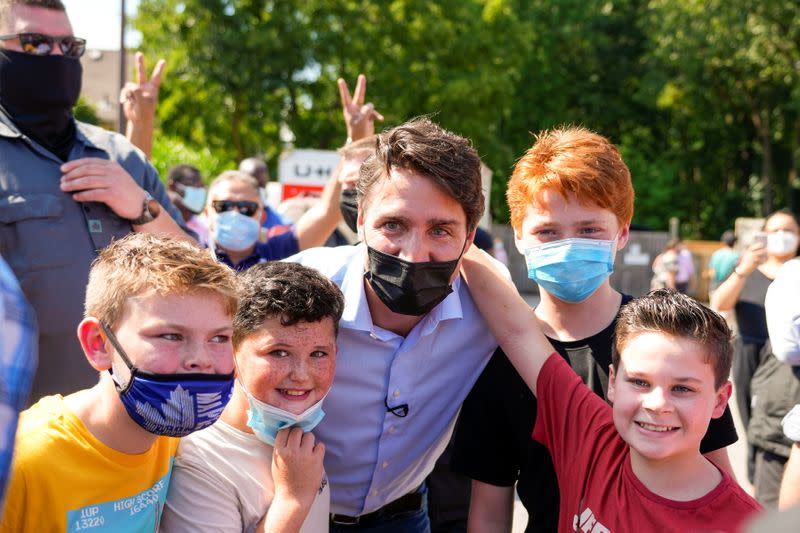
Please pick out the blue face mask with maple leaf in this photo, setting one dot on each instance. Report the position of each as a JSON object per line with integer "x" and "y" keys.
{"x": 171, "y": 405}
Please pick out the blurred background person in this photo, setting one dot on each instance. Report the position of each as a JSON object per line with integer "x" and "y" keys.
{"x": 188, "y": 193}
{"x": 685, "y": 274}
{"x": 723, "y": 261}
{"x": 18, "y": 358}
{"x": 665, "y": 267}
{"x": 257, "y": 168}
{"x": 353, "y": 154}
{"x": 235, "y": 214}
{"x": 744, "y": 292}
{"x": 775, "y": 387}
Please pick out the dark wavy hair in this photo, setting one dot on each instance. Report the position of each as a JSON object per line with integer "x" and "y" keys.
{"x": 290, "y": 291}
{"x": 428, "y": 149}
{"x": 672, "y": 313}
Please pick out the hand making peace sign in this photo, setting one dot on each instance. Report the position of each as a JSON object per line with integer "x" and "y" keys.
{"x": 359, "y": 117}
{"x": 139, "y": 99}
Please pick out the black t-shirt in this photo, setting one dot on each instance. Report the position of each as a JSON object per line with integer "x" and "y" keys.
{"x": 750, "y": 314}
{"x": 493, "y": 442}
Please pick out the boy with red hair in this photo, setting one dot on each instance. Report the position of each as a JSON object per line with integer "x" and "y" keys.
{"x": 571, "y": 201}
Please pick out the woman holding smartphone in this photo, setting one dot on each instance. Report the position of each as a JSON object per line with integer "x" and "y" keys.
{"x": 744, "y": 292}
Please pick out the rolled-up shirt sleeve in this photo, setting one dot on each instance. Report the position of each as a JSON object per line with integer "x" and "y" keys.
{"x": 783, "y": 313}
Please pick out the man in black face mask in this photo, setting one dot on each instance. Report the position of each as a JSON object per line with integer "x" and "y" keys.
{"x": 353, "y": 156}
{"x": 411, "y": 341}
{"x": 67, "y": 189}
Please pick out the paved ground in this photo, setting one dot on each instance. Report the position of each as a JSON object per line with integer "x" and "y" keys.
{"x": 737, "y": 453}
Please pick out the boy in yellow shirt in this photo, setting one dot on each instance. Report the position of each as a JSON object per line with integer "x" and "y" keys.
{"x": 157, "y": 326}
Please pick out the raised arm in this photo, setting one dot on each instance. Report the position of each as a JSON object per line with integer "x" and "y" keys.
{"x": 511, "y": 319}
{"x": 139, "y": 105}
{"x": 317, "y": 224}
{"x": 491, "y": 508}
{"x": 727, "y": 293}
{"x": 359, "y": 117}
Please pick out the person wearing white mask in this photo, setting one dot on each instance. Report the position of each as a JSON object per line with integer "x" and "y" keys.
{"x": 260, "y": 464}
{"x": 187, "y": 192}
{"x": 744, "y": 293}
{"x": 235, "y": 212}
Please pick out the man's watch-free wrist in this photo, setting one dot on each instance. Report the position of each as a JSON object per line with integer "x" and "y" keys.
{"x": 150, "y": 211}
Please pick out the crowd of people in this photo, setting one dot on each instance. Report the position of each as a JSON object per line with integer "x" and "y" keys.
{"x": 205, "y": 364}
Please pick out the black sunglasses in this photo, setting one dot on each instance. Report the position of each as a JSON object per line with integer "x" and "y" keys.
{"x": 39, "y": 44}
{"x": 245, "y": 207}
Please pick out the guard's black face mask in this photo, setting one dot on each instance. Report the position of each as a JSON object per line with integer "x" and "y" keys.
{"x": 38, "y": 94}
{"x": 348, "y": 205}
{"x": 409, "y": 288}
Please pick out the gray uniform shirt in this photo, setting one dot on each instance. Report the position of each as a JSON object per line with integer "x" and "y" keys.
{"x": 50, "y": 240}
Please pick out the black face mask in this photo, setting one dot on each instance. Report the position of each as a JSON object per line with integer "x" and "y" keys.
{"x": 409, "y": 288}
{"x": 38, "y": 94}
{"x": 348, "y": 205}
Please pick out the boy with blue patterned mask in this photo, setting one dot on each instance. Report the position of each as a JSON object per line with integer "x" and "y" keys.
{"x": 235, "y": 213}
{"x": 260, "y": 463}
{"x": 571, "y": 202}
{"x": 158, "y": 328}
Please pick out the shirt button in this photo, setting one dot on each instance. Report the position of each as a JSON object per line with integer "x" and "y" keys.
{"x": 396, "y": 393}
{"x": 374, "y": 493}
{"x": 385, "y": 464}
{"x": 392, "y": 429}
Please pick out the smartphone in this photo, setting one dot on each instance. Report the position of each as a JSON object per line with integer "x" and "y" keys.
{"x": 760, "y": 237}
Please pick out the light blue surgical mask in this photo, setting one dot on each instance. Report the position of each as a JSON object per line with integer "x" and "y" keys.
{"x": 267, "y": 420}
{"x": 193, "y": 198}
{"x": 234, "y": 231}
{"x": 571, "y": 269}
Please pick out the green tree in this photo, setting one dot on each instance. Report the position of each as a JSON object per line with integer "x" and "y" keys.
{"x": 702, "y": 97}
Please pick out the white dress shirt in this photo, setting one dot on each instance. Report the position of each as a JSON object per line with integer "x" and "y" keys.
{"x": 373, "y": 456}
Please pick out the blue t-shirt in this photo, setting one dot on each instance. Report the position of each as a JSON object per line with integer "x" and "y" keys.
{"x": 723, "y": 262}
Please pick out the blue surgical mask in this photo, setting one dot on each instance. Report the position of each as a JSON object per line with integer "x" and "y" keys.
{"x": 571, "y": 269}
{"x": 172, "y": 405}
{"x": 267, "y": 420}
{"x": 234, "y": 231}
{"x": 193, "y": 198}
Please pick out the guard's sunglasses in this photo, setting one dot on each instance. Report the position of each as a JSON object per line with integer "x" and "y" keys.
{"x": 39, "y": 44}
{"x": 246, "y": 208}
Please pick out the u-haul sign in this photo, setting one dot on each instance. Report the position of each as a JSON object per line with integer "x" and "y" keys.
{"x": 306, "y": 171}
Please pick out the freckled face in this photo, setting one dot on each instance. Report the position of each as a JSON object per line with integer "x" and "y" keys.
{"x": 289, "y": 367}
{"x": 664, "y": 396}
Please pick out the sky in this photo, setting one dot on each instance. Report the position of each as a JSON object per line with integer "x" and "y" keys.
{"x": 98, "y": 22}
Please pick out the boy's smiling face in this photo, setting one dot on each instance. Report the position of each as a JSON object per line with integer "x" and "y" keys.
{"x": 664, "y": 396}
{"x": 289, "y": 367}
